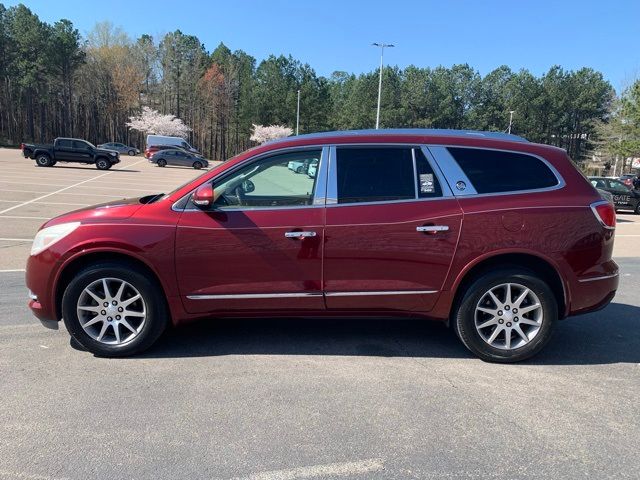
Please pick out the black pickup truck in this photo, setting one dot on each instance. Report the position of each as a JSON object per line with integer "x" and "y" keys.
{"x": 70, "y": 150}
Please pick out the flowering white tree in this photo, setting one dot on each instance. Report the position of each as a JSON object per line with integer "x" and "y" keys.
{"x": 152, "y": 121}
{"x": 262, "y": 133}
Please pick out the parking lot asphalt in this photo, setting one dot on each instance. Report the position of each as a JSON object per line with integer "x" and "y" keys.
{"x": 295, "y": 399}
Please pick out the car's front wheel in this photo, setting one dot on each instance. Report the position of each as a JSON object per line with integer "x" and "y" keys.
{"x": 162, "y": 162}
{"x": 114, "y": 309}
{"x": 132, "y": 153}
{"x": 197, "y": 165}
{"x": 506, "y": 315}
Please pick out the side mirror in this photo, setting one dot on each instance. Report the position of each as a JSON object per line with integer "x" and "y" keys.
{"x": 248, "y": 186}
{"x": 203, "y": 196}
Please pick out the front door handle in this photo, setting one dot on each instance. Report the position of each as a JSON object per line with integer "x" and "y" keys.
{"x": 433, "y": 228}
{"x": 300, "y": 235}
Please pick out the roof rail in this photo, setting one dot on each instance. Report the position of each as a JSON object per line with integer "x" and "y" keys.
{"x": 448, "y": 132}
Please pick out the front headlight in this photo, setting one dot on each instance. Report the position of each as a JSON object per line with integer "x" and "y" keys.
{"x": 50, "y": 235}
{"x": 113, "y": 154}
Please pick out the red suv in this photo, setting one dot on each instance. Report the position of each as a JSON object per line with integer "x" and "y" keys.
{"x": 492, "y": 234}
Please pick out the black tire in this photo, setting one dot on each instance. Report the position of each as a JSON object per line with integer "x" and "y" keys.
{"x": 637, "y": 209}
{"x": 197, "y": 165}
{"x": 463, "y": 319}
{"x": 43, "y": 160}
{"x": 156, "y": 307}
{"x": 162, "y": 162}
{"x": 299, "y": 170}
{"x": 132, "y": 153}
{"x": 103, "y": 164}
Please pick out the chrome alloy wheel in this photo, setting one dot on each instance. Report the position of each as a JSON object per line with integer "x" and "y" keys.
{"x": 508, "y": 316}
{"x": 111, "y": 318}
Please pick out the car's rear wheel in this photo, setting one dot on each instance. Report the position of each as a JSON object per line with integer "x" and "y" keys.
{"x": 197, "y": 165}
{"x": 44, "y": 161}
{"x": 506, "y": 315}
{"x": 103, "y": 164}
{"x": 162, "y": 162}
{"x": 114, "y": 310}
{"x": 132, "y": 153}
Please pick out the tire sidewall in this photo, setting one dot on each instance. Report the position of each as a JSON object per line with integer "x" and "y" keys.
{"x": 155, "y": 304}
{"x": 464, "y": 319}
{"x": 162, "y": 162}
{"x": 131, "y": 153}
{"x": 197, "y": 165}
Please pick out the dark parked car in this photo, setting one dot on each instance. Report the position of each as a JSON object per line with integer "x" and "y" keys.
{"x": 70, "y": 150}
{"x": 120, "y": 148}
{"x": 179, "y": 157}
{"x": 624, "y": 197}
{"x": 442, "y": 225}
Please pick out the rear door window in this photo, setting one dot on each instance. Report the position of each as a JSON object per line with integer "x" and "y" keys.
{"x": 375, "y": 174}
{"x": 496, "y": 171}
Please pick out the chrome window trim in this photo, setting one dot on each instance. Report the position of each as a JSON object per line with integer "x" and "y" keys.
{"x": 324, "y": 154}
{"x": 332, "y": 178}
{"x": 561, "y": 182}
{"x": 332, "y": 182}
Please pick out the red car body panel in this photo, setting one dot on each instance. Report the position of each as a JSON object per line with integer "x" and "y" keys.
{"x": 358, "y": 248}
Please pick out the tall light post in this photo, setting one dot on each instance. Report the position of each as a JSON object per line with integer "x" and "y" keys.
{"x": 511, "y": 112}
{"x": 382, "y": 47}
{"x": 298, "y": 115}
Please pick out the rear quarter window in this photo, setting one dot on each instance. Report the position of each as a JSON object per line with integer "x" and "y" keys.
{"x": 495, "y": 171}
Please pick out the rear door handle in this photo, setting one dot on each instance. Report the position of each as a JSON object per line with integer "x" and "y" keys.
{"x": 433, "y": 228}
{"x": 299, "y": 234}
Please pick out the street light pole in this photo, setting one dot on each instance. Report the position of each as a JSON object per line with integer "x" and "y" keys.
{"x": 298, "y": 115}
{"x": 511, "y": 112}
{"x": 382, "y": 47}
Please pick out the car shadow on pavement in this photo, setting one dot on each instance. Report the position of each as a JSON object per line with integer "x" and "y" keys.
{"x": 609, "y": 336}
{"x": 303, "y": 336}
{"x": 65, "y": 167}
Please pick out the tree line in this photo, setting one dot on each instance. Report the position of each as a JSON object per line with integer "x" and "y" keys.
{"x": 54, "y": 82}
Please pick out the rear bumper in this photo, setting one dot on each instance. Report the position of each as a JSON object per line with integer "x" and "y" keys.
{"x": 594, "y": 293}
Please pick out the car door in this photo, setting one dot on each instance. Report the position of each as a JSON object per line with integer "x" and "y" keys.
{"x": 169, "y": 156}
{"x": 260, "y": 247}
{"x": 183, "y": 159}
{"x": 391, "y": 230}
{"x": 65, "y": 151}
{"x": 82, "y": 151}
{"x": 621, "y": 193}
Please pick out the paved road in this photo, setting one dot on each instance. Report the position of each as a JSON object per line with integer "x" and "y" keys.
{"x": 294, "y": 399}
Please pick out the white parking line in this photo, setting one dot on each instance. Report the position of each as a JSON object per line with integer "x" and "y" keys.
{"x": 331, "y": 469}
{"x": 16, "y": 239}
{"x": 13, "y": 271}
{"x": 58, "y": 191}
{"x": 24, "y": 218}
{"x": 49, "y": 203}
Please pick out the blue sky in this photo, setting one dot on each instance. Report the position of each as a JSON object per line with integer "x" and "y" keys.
{"x": 336, "y": 35}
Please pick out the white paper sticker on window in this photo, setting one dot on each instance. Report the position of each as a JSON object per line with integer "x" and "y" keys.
{"x": 426, "y": 183}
